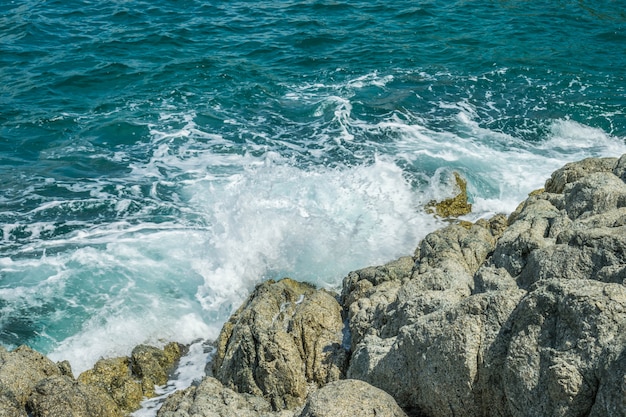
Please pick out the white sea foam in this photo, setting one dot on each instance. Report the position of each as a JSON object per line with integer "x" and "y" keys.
{"x": 154, "y": 282}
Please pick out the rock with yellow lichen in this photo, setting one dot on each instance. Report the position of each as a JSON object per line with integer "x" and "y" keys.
{"x": 452, "y": 207}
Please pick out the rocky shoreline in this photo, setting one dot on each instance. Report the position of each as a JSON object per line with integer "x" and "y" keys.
{"x": 517, "y": 316}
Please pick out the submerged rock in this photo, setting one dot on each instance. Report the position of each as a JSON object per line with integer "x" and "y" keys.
{"x": 286, "y": 336}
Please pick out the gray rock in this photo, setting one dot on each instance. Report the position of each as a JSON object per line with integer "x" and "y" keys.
{"x": 563, "y": 337}
{"x": 434, "y": 366}
{"x": 380, "y": 300}
{"x": 594, "y": 194}
{"x": 349, "y": 398}
{"x": 61, "y": 396}
{"x": 211, "y": 399}
{"x": 576, "y": 170}
{"x": 579, "y": 234}
{"x": 531, "y": 230}
{"x": 620, "y": 168}
{"x": 490, "y": 278}
{"x": 610, "y": 399}
{"x": 286, "y": 336}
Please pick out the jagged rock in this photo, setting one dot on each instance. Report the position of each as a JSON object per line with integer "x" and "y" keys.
{"x": 620, "y": 168}
{"x": 579, "y": 234}
{"x": 113, "y": 376}
{"x": 286, "y": 335}
{"x": 66, "y": 369}
{"x": 565, "y": 349}
{"x": 349, "y": 398}
{"x": 380, "y": 300}
{"x": 610, "y": 398}
{"x": 574, "y": 171}
{"x": 20, "y": 371}
{"x": 433, "y": 365}
{"x": 128, "y": 380}
{"x": 211, "y": 399}
{"x": 152, "y": 365}
{"x": 61, "y": 396}
{"x": 370, "y": 296}
{"x": 454, "y": 206}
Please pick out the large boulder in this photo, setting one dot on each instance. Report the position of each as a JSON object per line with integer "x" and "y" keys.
{"x": 522, "y": 318}
{"x": 20, "y": 371}
{"x": 286, "y": 336}
{"x": 565, "y": 342}
{"x": 61, "y": 396}
{"x": 380, "y": 300}
{"x": 433, "y": 366}
{"x": 576, "y": 229}
{"x": 350, "y": 398}
{"x": 574, "y": 171}
{"x": 211, "y": 399}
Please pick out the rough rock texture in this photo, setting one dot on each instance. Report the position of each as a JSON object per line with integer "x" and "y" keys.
{"x": 564, "y": 334}
{"x": 127, "y": 380}
{"x": 212, "y": 399}
{"x": 286, "y": 336}
{"x": 63, "y": 396}
{"x": 516, "y": 317}
{"x": 433, "y": 366}
{"x": 455, "y": 206}
{"x": 20, "y": 371}
{"x": 576, "y": 229}
{"x": 113, "y": 376}
{"x": 350, "y": 398}
{"x": 31, "y": 384}
{"x": 380, "y": 300}
{"x": 539, "y": 329}
{"x": 152, "y": 365}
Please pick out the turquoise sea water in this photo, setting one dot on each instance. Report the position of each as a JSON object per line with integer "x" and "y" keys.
{"x": 160, "y": 158}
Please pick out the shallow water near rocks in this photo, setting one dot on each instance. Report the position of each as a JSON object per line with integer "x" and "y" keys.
{"x": 158, "y": 159}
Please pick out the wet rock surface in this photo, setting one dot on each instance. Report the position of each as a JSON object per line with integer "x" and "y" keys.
{"x": 33, "y": 385}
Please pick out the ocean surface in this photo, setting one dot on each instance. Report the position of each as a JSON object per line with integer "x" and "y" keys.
{"x": 160, "y": 158}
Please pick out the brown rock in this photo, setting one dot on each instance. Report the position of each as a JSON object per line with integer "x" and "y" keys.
{"x": 61, "y": 396}
{"x": 286, "y": 336}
